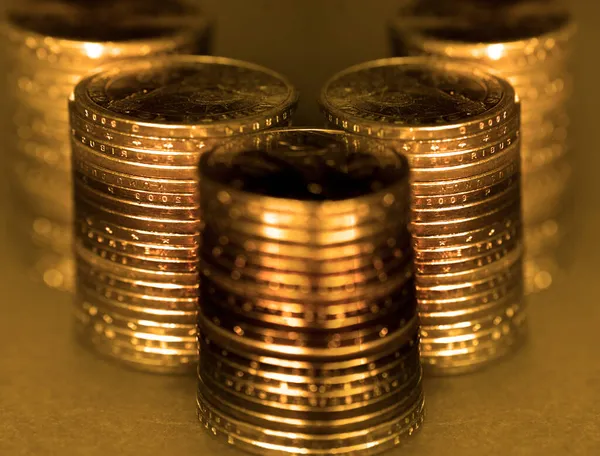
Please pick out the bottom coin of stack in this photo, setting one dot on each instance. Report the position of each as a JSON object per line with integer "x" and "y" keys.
{"x": 308, "y": 322}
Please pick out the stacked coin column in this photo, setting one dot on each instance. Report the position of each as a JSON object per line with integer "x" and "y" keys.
{"x": 138, "y": 131}
{"x": 459, "y": 129}
{"x": 50, "y": 46}
{"x": 308, "y": 322}
{"x": 529, "y": 43}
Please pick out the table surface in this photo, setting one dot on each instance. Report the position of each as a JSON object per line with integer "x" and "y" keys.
{"x": 56, "y": 398}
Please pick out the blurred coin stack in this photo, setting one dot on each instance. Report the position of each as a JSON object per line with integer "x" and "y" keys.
{"x": 138, "y": 130}
{"x": 459, "y": 128}
{"x": 49, "y": 46}
{"x": 308, "y": 321}
{"x": 529, "y": 42}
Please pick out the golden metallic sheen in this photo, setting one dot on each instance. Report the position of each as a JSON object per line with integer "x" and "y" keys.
{"x": 308, "y": 323}
{"x": 50, "y": 46}
{"x": 138, "y": 131}
{"x": 530, "y": 44}
{"x": 459, "y": 129}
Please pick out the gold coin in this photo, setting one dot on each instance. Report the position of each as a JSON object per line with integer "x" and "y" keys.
{"x": 469, "y": 250}
{"x": 249, "y": 287}
{"x": 134, "y": 156}
{"x": 443, "y": 323}
{"x": 466, "y": 184}
{"x": 287, "y": 403}
{"x": 464, "y": 360}
{"x": 233, "y": 340}
{"x": 161, "y": 264}
{"x": 96, "y": 296}
{"x": 429, "y": 174}
{"x": 177, "y": 334}
{"x": 461, "y": 155}
{"x": 312, "y": 338}
{"x": 85, "y": 131}
{"x": 417, "y": 98}
{"x": 313, "y": 279}
{"x": 131, "y": 247}
{"x": 133, "y": 182}
{"x": 85, "y": 206}
{"x": 250, "y": 438}
{"x": 468, "y": 223}
{"x": 433, "y": 215}
{"x": 72, "y": 35}
{"x": 446, "y": 203}
{"x": 135, "y": 196}
{"x": 185, "y": 97}
{"x": 532, "y": 48}
{"x": 327, "y": 373}
{"x": 238, "y": 257}
{"x": 477, "y": 273}
{"x": 382, "y": 408}
{"x": 523, "y": 35}
{"x": 185, "y": 278}
{"x": 97, "y": 277}
{"x": 151, "y": 209}
{"x": 49, "y": 48}
{"x": 139, "y": 357}
{"x": 457, "y": 240}
{"x": 143, "y": 236}
{"x": 158, "y": 170}
{"x": 328, "y": 316}
{"x": 349, "y": 180}
{"x": 307, "y": 309}
{"x": 307, "y": 237}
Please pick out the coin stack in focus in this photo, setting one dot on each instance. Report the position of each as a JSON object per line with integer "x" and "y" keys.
{"x": 50, "y": 45}
{"x": 459, "y": 128}
{"x": 308, "y": 321}
{"x": 529, "y": 43}
{"x": 138, "y": 130}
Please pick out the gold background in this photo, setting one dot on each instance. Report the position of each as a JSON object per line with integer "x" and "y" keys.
{"x": 58, "y": 399}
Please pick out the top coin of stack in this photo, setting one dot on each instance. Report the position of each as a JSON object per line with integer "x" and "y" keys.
{"x": 529, "y": 43}
{"x": 459, "y": 128}
{"x": 50, "y": 45}
{"x": 138, "y": 130}
{"x": 308, "y": 322}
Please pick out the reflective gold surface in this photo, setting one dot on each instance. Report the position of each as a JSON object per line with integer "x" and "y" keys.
{"x": 466, "y": 222}
{"x": 529, "y": 42}
{"x": 136, "y": 209}
{"x": 57, "y": 398}
{"x": 48, "y": 47}
{"x": 301, "y": 355}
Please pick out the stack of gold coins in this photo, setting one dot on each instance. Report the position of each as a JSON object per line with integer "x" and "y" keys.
{"x": 50, "y": 45}
{"x": 308, "y": 321}
{"x": 138, "y": 130}
{"x": 529, "y": 43}
{"x": 459, "y": 128}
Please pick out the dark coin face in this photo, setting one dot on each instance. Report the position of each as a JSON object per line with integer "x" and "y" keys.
{"x": 490, "y": 30}
{"x": 189, "y": 92}
{"x": 110, "y": 20}
{"x": 412, "y": 94}
{"x": 462, "y": 7}
{"x": 304, "y": 166}
{"x": 486, "y": 21}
